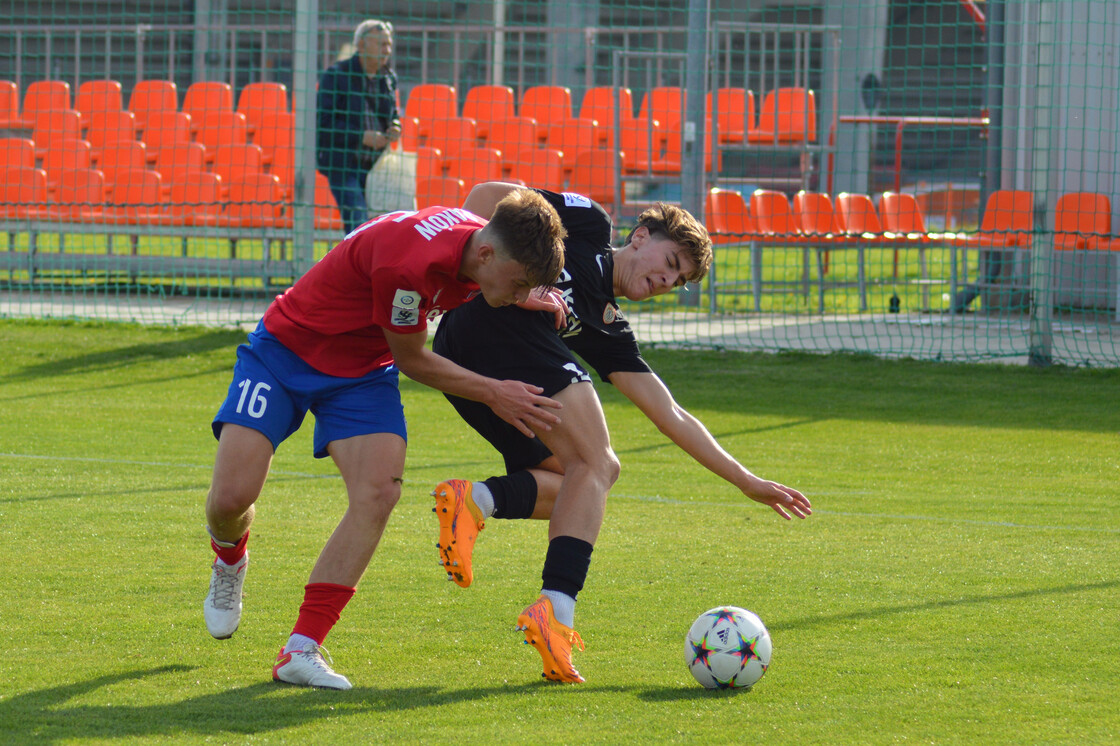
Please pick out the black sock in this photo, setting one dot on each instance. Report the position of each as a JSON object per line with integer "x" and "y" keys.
{"x": 515, "y": 495}
{"x": 565, "y": 565}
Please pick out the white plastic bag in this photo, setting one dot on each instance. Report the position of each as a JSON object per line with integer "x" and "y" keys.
{"x": 391, "y": 183}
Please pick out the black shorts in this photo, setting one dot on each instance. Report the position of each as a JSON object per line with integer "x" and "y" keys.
{"x": 506, "y": 343}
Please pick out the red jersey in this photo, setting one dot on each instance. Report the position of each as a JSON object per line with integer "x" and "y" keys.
{"x": 395, "y": 272}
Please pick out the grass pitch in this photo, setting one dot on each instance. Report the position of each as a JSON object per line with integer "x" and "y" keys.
{"x": 958, "y": 583}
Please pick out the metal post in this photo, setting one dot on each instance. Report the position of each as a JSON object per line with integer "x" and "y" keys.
{"x": 304, "y": 77}
{"x": 692, "y": 157}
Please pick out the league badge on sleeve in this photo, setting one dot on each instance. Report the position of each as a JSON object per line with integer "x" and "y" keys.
{"x": 612, "y": 314}
{"x": 406, "y": 308}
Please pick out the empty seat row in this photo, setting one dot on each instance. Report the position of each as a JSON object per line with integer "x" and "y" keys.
{"x": 1082, "y": 220}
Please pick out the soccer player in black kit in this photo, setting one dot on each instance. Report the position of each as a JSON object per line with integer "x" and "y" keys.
{"x": 563, "y": 475}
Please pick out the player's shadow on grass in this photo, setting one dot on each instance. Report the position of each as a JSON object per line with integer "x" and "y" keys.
{"x": 121, "y": 357}
{"x": 935, "y": 604}
{"x": 49, "y": 715}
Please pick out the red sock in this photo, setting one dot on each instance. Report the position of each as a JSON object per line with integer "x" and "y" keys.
{"x": 231, "y": 555}
{"x": 322, "y": 605}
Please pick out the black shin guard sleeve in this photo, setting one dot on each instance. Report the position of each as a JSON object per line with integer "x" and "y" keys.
{"x": 515, "y": 495}
{"x": 565, "y": 565}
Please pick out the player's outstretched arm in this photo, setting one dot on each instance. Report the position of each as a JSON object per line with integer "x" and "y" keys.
{"x": 519, "y": 404}
{"x": 650, "y": 394}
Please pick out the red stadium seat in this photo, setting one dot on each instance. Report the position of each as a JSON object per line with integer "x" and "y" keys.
{"x": 18, "y": 152}
{"x": 22, "y": 190}
{"x": 444, "y": 191}
{"x": 54, "y": 126}
{"x": 150, "y": 96}
{"x": 64, "y": 156}
{"x": 196, "y": 201}
{"x": 221, "y": 128}
{"x": 206, "y": 97}
{"x": 108, "y": 127}
{"x": 486, "y": 104}
{"x": 9, "y": 105}
{"x": 43, "y": 96}
{"x": 548, "y": 104}
{"x": 255, "y": 201}
{"x": 236, "y": 163}
{"x": 97, "y": 95}
{"x": 166, "y": 129}
{"x": 261, "y": 101}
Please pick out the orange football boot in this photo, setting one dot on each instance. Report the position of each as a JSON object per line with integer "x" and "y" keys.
{"x": 552, "y": 640}
{"x": 460, "y": 520}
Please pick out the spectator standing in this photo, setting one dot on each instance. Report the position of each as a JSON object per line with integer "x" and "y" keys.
{"x": 357, "y": 118}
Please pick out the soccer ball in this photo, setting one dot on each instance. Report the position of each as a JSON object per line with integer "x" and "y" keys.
{"x": 727, "y": 648}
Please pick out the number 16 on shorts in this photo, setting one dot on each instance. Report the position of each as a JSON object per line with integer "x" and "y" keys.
{"x": 257, "y": 402}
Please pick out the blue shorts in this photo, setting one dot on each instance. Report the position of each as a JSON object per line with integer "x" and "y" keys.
{"x": 273, "y": 388}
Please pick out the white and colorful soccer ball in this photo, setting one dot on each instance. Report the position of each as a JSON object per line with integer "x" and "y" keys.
{"x": 727, "y": 648}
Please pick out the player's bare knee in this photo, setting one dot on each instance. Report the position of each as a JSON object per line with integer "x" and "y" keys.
{"x": 376, "y": 498}
{"x": 225, "y": 502}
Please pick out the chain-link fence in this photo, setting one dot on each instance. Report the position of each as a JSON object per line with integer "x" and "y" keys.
{"x": 927, "y": 179}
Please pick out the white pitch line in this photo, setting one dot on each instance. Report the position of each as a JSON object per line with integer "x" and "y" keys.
{"x": 640, "y": 498}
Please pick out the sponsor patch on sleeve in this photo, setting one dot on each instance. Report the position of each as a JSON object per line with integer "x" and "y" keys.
{"x": 406, "y": 308}
{"x": 572, "y": 199}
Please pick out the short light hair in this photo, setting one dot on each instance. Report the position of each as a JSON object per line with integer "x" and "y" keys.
{"x": 369, "y": 26}
{"x": 528, "y": 230}
{"x": 679, "y": 226}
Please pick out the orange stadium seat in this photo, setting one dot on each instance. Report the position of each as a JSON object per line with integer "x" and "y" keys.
{"x": 80, "y": 195}
{"x": 97, "y": 95}
{"x": 511, "y": 134}
{"x": 665, "y": 105}
{"x": 1081, "y": 220}
{"x": 9, "y": 105}
{"x": 570, "y": 137}
{"x": 135, "y": 198}
{"x": 221, "y": 128}
{"x": 108, "y": 127}
{"x": 486, "y": 104}
{"x": 431, "y": 101}
{"x": 774, "y": 217}
{"x": 205, "y": 97}
{"x": 237, "y": 162}
{"x": 788, "y": 115}
{"x": 599, "y": 104}
{"x": 475, "y": 165}
{"x": 120, "y": 158}
{"x": 261, "y": 101}
{"x": 178, "y": 164}
{"x": 429, "y": 162}
{"x": 326, "y": 214}
{"x": 150, "y": 96}
{"x": 196, "y": 201}
{"x": 593, "y": 175}
{"x": 277, "y": 132}
{"x": 858, "y": 219}
{"x": 729, "y": 220}
{"x": 817, "y": 217}
{"x": 53, "y": 126}
{"x": 443, "y": 190}
{"x": 735, "y": 115}
{"x": 17, "y": 152}
{"x": 22, "y": 189}
{"x": 166, "y": 129}
{"x": 451, "y": 135}
{"x": 63, "y": 156}
{"x": 547, "y": 104}
{"x": 902, "y": 216}
{"x": 255, "y": 201}
{"x": 537, "y": 167}
{"x": 1008, "y": 221}
{"x": 640, "y": 142}
{"x": 42, "y": 96}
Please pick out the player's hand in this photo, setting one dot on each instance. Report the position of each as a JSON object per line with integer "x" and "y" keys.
{"x": 521, "y": 405}
{"x": 547, "y": 299}
{"x": 784, "y": 500}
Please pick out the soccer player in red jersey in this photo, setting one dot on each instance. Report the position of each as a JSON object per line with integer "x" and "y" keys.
{"x": 333, "y": 344}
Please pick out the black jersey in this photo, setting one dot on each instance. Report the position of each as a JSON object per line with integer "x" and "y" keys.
{"x": 596, "y": 329}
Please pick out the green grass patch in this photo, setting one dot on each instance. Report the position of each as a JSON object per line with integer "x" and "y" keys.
{"x": 958, "y": 582}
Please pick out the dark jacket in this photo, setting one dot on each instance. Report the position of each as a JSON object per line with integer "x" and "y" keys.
{"x": 345, "y": 107}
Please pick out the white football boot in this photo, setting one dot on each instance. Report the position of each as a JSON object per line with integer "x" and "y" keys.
{"x": 307, "y": 667}
{"x": 222, "y": 607}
